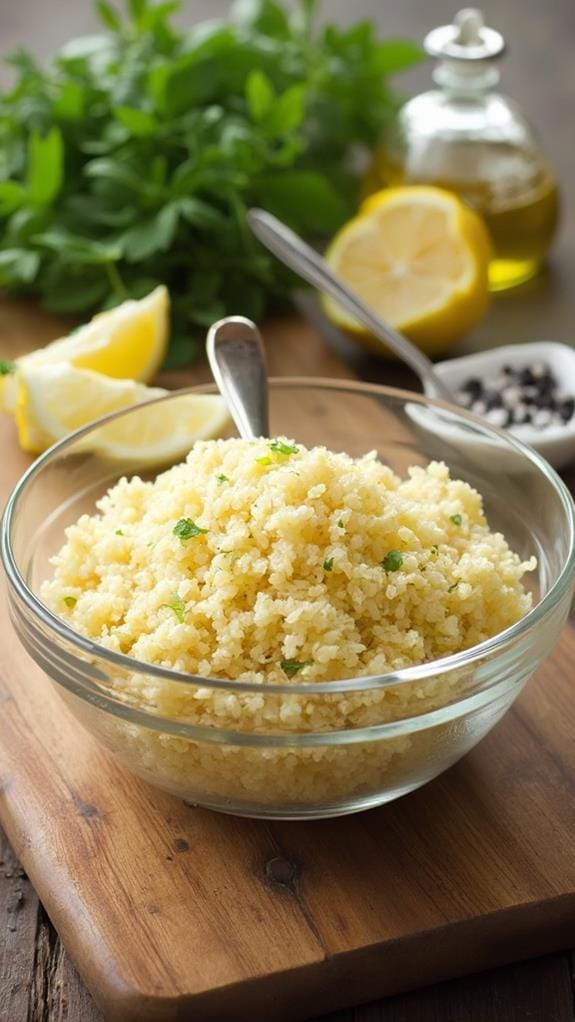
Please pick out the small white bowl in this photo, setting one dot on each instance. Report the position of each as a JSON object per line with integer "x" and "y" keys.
{"x": 556, "y": 443}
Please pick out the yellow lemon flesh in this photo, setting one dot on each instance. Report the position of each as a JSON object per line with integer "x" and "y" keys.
{"x": 55, "y": 399}
{"x": 419, "y": 257}
{"x": 126, "y": 342}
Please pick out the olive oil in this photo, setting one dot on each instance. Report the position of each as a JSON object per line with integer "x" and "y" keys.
{"x": 467, "y": 138}
{"x": 520, "y": 210}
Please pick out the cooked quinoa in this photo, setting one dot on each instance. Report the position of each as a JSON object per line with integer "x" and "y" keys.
{"x": 263, "y": 561}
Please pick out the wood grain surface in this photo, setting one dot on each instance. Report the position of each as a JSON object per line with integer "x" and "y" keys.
{"x": 167, "y": 910}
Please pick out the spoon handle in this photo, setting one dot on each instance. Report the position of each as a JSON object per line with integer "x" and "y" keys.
{"x": 300, "y": 257}
{"x": 237, "y": 359}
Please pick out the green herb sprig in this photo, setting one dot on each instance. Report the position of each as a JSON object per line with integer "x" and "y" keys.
{"x": 262, "y": 109}
{"x": 293, "y": 667}
{"x": 392, "y": 561}
{"x": 278, "y": 447}
{"x": 456, "y": 519}
{"x": 186, "y": 529}
{"x": 177, "y": 606}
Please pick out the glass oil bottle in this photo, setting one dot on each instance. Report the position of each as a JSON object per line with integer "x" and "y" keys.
{"x": 466, "y": 137}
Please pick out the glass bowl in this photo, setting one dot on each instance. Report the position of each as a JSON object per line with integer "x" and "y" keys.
{"x": 448, "y": 704}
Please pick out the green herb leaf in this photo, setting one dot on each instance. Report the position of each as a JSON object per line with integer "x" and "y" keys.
{"x": 340, "y": 524}
{"x": 263, "y": 16}
{"x": 108, "y": 16}
{"x": 393, "y": 560}
{"x": 328, "y": 564}
{"x": 70, "y": 102}
{"x": 6, "y": 367}
{"x": 151, "y": 236}
{"x": 186, "y": 529}
{"x": 221, "y": 478}
{"x": 138, "y": 122}
{"x": 119, "y": 532}
{"x": 178, "y": 607}
{"x": 303, "y": 196}
{"x": 70, "y": 601}
{"x": 137, "y": 8}
{"x": 456, "y": 519}
{"x": 278, "y": 447}
{"x": 18, "y": 264}
{"x": 434, "y": 550}
{"x": 12, "y": 195}
{"x": 292, "y": 667}
{"x": 394, "y": 55}
{"x": 45, "y": 167}
{"x": 286, "y": 113}
{"x": 260, "y": 95}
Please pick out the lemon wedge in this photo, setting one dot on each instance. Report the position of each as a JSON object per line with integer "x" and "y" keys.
{"x": 55, "y": 399}
{"x": 419, "y": 257}
{"x": 126, "y": 342}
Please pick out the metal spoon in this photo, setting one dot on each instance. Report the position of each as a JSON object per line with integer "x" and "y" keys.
{"x": 300, "y": 257}
{"x": 237, "y": 359}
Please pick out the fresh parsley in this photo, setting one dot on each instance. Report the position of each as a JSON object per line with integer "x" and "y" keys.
{"x": 456, "y": 519}
{"x": 393, "y": 560}
{"x": 265, "y": 108}
{"x": 70, "y": 601}
{"x": 119, "y": 532}
{"x": 434, "y": 550}
{"x": 328, "y": 564}
{"x": 292, "y": 667}
{"x": 187, "y": 529}
{"x": 221, "y": 478}
{"x": 178, "y": 607}
{"x": 278, "y": 447}
{"x": 6, "y": 367}
{"x": 340, "y": 524}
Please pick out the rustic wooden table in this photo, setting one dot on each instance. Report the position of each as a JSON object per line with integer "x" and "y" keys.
{"x": 37, "y": 981}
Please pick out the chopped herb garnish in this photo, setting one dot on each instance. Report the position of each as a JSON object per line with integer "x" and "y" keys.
{"x": 328, "y": 564}
{"x": 291, "y": 667}
{"x": 434, "y": 550}
{"x": 177, "y": 606}
{"x": 265, "y": 460}
{"x": 187, "y": 529}
{"x": 6, "y": 367}
{"x": 278, "y": 447}
{"x": 222, "y": 479}
{"x": 454, "y": 585}
{"x": 456, "y": 519}
{"x": 119, "y": 532}
{"x": 393, "y": 561}
{"x": 70, "y": 601}
{"x": 340, "y": 524}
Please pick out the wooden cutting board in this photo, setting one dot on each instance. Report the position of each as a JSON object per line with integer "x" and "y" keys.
{"x": 174, "y": 913}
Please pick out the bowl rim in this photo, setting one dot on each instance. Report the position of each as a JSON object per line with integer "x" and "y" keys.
{"x": 357, "y": 683}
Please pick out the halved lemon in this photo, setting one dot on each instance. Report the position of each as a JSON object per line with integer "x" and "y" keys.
{"x": 419, "y": 257}
{"x": 126, "y": 342}
{"x": 55, "y": 399}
